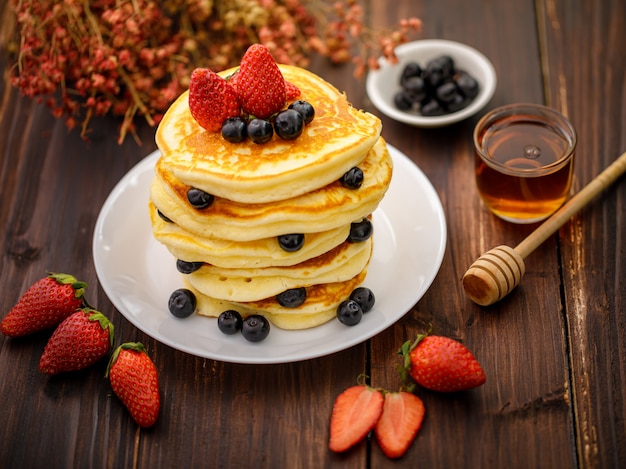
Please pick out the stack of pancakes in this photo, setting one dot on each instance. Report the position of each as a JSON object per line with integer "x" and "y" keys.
{"x": 263, "y": 191}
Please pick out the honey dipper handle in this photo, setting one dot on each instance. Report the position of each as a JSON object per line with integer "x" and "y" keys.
{"x": 591, "y": 190}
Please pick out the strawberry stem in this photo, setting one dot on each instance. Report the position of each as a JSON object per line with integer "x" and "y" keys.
{"x": 405, "y": 352}
{"x": 362, "y": 379}
{"x": 68, "y": 279}
{"x": 104, "y": 322}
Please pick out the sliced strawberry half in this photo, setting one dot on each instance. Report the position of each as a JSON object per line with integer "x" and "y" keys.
{"x": 403, "y": 413}
{"x": 355, "y": 413}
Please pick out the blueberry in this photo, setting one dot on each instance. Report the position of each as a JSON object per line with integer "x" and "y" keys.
{"x": 292, "y": 298}
{"x": 260, "y": 130}
{"x": 306, "y": 110}
{"x": 288, "y": 124}
{"x": 432, "y": 108}
{"x": 199, "y": 199}
{"x": 291, "y": 242}
{"x": 437, "y": 89}
{"x": 360, "y": 231}
{"x": 457, "y": 103}
{"x": 234, "y": 129}
{"x": 364, "y": 297}
{"x": 467, "y": 84}
{"x": 229, "y": 322}
{"x": 182, "y": 303}
{"x": 185, "y": 267}
{"x": 163, "y": 217}
{"x": 353, "y": 178}
{"x": 415, "y": 88}
{"x": 402, "y": 100}
{"x": 411, "y": 69}
{"x": 434, "y": 74}
{"x": 446, "y": 91}
{"x": 349, "y": 313}
{"x": 447, "y": 65}
{"x": 255, "y": 328}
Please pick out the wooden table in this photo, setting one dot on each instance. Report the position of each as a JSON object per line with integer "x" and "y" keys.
{"x": 554, "y": 350}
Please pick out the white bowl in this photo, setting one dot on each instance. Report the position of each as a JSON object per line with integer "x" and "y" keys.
{"x": 383, "y": 84}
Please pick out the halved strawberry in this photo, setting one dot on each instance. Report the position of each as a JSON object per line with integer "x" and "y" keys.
{"x": 355, "y": 413}
{"x": 212, "y": 99}
{"x": 403, "y": 413}
{"x": 260, "y": 83}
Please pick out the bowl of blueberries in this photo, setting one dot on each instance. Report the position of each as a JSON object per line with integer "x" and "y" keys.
{"x": 435, "y": 83}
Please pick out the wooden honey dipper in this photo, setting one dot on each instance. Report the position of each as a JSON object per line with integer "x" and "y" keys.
{"x": 498, "y": 271}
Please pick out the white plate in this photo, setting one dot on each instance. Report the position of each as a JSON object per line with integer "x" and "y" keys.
{"x": 138, "y": 274}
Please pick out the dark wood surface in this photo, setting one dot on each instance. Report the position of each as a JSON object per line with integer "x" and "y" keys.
{"x": 554, "y": 351}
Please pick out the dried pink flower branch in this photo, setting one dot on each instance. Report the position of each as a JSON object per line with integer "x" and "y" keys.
{"x": 87, "y": 58}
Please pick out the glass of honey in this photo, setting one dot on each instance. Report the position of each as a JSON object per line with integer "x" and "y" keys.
{"x": 524, "y": 155}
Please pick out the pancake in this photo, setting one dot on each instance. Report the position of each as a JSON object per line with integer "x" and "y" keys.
{"x": 320, "y": 306}
{"x": 264, "y": 252}
{"x": 262, "y": 191}
{"x": 323, "y": 209}
{"x": 338, "y": 138}
{"x": 243, "y": 285}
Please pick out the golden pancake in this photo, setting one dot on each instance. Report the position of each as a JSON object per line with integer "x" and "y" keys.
{"x": 237, "y": 254}
{"x": 338, "y": 138}
{"x": 323, "y": 209}
{"x": 244, "y": 285}
{"x": 262, "y": 191}
{"x": 319, "y": 307}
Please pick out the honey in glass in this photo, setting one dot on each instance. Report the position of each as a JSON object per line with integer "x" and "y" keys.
{"x": 524, "y": 157}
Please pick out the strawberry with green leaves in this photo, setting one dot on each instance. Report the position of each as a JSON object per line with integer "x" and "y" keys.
{"x": 260, "y": 83}
{"x": 134, "y": 380}
{"x": 44, "y": 305}
{"x": 441, "y": 364}
{"x": 355, "y": 413}
{"x": 399, "y": 423}
{"x": 78, "y": 342}
{"x": 212, "y": 99}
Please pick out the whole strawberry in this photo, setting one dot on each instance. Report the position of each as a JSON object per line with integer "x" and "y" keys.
{"x": 79, "y": 341}
{"x": 135, "y": 382}
{"x": 442, "y": 364}
{"x": 212, "y": 99}
{"x": 260, "y": 83}
{"x": 44, "y": 305}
